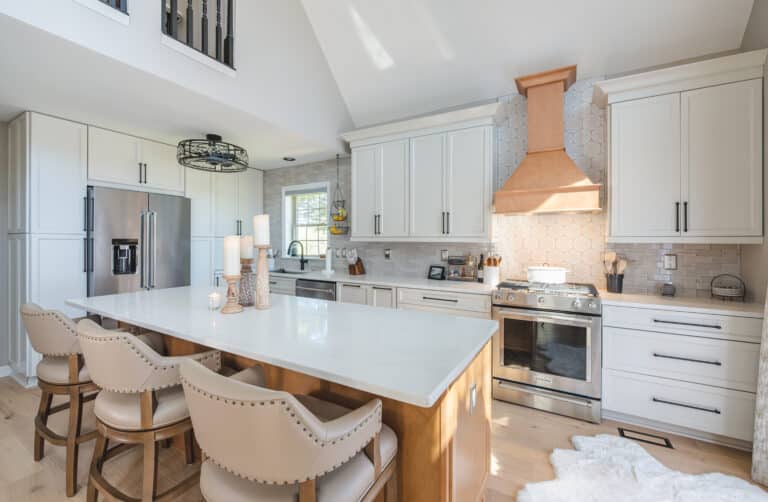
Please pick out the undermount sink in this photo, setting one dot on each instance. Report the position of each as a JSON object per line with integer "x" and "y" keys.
{"x": 284, "y": 271}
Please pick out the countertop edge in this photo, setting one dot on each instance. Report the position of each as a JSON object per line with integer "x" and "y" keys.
{"x": 696, "y": 305}
{"x": 412, "y": 399}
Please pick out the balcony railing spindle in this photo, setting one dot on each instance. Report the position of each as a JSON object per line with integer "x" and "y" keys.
{"x": 190, "y": 24}
{"x": 174, "y": 26}
{"x": 219, "y": 52}
{"x": 229, "y": 42}
{"x": 204, "y": 28}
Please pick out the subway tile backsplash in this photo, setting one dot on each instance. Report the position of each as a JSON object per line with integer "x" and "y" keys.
{"x": 575, "y": 241}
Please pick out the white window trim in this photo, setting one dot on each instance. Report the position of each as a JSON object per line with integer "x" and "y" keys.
{"x": 106, "y": 11}
{"x": 323, "y": 185}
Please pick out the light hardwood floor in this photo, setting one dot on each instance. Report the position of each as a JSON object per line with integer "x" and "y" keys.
{"x": 522, "y": 440}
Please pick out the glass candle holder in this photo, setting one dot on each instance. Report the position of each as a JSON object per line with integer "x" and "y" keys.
{"x": 214, "y": 300}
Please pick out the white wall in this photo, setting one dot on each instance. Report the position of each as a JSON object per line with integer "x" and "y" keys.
{"x": 754, "y": 258}
{"x": 3, "y": 244}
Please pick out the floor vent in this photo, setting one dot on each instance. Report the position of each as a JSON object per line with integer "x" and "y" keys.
{"x": 644, "y": 437}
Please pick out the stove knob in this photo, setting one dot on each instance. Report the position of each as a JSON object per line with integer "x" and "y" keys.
{"x": 541, "y": 300}
{"x": 592, "y": 305}
{"x": 511, "y": 297}
{"x": 577, "y": 303}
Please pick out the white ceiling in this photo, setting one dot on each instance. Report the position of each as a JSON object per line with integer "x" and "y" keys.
{"x": 399, "y": 58}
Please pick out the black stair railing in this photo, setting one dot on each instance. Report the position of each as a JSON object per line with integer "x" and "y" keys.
{"x": 121, "y": 5}
{"x": 183, "y": 27}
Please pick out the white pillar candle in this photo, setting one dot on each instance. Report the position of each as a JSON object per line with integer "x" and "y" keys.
{"x": 261, "y": 230}
{"x": 232, "y": 255}
{"x": 246, "y": 247}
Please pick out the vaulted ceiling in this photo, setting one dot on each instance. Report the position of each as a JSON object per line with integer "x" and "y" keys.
{"x": 399, "y": 58}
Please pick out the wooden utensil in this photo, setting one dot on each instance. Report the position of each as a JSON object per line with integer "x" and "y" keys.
{"x": 621, "y": 267}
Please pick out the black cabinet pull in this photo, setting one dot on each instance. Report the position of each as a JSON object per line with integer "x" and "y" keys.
{"x": 677, "y": 216}
{"x": 693, "y": 324}
{"x": 85, "y": 254}
{"x": 687, "y": 359}
{"x": 85, "y": 214}
{"x": 685, "y": 216}
{"x": 451, "y": 300}
{"x": 442, "y": 230}
{"x": 140, "y": 173}
{"x": 448, "y": 222}
{"x": 684, "y": 405}
{"x": 273, "y": 282}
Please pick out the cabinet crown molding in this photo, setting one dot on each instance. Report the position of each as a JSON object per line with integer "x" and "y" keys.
{"x": 488, "y": 114}
{"x": 731, "y": 68}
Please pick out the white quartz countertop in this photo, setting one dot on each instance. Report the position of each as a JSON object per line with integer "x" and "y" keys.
{"x": 705, "y": 305}
{"x": 403, "y": 355}
{"x": 394, "y": 281}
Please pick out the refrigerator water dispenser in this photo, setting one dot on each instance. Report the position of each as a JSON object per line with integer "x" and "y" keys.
{"x": 124, "y": 256}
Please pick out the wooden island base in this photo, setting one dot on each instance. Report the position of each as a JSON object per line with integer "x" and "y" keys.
{"x": 443, "y": 451}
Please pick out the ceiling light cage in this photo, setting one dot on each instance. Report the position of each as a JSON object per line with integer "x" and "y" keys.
{"x": 212, "y": 155}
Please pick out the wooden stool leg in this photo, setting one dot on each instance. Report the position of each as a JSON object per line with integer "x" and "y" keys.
{"x": 390, "y": 489}
{"x": 73, "y": 431}
{"x": 42, "y": 412}
{"x": 98, "y": 453}
{"x": 149, "y": 483}
{"x": 189, "y": 447}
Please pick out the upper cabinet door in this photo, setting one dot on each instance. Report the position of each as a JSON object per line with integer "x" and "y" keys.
{"x": 163, "y": 172}
{"x": 18, "y": 186}
{"x": 365, "y": 169}
{"x": 114, "y": 158}
{"x": 468, "y": 171}
{"x": 250, "y": 198}
{"x": 58, "y": 173}
{"x": 199, "y": 189}
{"x": 722, "y": 159}
{"x": 645, "y": 167}
{"x": 392, "y": 189}
{"x": 225, "y": 203}
{"x": 428, "y": 186}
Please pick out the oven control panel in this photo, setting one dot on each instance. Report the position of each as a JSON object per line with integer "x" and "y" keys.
{"x": 566, "y": 303}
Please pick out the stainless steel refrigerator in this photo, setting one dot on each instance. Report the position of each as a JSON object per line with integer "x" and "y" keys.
{"x": 136, "y": 240}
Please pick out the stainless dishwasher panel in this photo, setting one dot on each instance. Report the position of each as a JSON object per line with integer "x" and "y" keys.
{"x": 321, "y": 290}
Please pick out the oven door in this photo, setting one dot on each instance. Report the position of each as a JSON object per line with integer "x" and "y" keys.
{"x": 548, "y": 349}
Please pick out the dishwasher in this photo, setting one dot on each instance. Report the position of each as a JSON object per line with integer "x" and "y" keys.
{"x": 322, "y": 290}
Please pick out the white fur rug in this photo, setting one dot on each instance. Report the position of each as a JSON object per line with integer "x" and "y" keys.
{"x": 608, "y": 468}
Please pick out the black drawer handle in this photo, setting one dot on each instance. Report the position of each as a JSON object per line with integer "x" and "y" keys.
{"x": 350, "y": 285}
{"x": 683, "y": 405}
{"x": 381, "y": 289}
{"x": 273, "y": 282}
{"x": 439, "y": 299}
{"x": 695, "y": 325}
{"x": 688, "y": 359}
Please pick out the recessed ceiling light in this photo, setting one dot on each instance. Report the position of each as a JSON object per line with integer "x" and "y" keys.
{"x": 289, "y": 159}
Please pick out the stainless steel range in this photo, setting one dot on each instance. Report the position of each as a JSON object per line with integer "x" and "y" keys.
{"x": 548, "y": 350}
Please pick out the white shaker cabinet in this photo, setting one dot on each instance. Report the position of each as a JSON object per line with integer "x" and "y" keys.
{"x": 382, "y": 296}
{"x": 686, "y": 152}
{"x": 722, "y": 159}
{"x": 120, "y": 160}
{"x": 113, "y": 157}
{"x": 225, "y": 220}
{"x": 645, "y": 181}
{"x": 352, "y": 293}
{"x": 201, "y": 261}
{"x": 57, "y": 271}
{"x": 367, "y": 294}
{"x": 425, "y": 180}
{"x": 250, "y": 198}
{"x": 199, "y": 190}
{"x": 380, "y": 190}
{"x": 47, "y": 175}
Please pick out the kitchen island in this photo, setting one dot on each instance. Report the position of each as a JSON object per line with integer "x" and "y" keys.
{"x": 431, "y": 371}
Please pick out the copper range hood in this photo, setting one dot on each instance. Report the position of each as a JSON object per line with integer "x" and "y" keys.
{"x": 547, "y": 180}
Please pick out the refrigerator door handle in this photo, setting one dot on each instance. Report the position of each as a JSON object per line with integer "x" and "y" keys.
{"x": 153, "y": 247}
{"x": 143, "y": 268}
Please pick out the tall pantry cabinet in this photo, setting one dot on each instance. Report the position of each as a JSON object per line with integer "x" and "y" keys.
{"x": 47, "y": 176}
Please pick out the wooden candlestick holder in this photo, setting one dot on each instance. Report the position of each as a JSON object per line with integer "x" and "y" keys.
{"x": 262, "y": 280}
{"x": 232, "y": 306}
{"x": 246, "y": 282}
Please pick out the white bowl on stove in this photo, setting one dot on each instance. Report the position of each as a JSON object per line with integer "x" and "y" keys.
{"x": 547, "y": 275}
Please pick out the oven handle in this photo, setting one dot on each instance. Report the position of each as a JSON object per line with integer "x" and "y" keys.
{"x": 535, "y": 316}
{"x": 542, "y": 392}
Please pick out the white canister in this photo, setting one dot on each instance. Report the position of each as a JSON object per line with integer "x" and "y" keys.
{"x": 547, "y": 274}
{"x": 491, "y": 276}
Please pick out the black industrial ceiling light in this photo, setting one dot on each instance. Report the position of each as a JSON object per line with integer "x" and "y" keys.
{"x": 212, "y": 154}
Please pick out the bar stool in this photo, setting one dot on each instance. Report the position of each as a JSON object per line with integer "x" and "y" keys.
{"x": 61, "y": 372}
{"x": 265, "y": 445}
{"x": 141, "y": 403}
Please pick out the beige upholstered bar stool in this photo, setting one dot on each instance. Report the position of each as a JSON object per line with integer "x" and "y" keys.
{"x": 265, "y": 445}
{"x": 60, "y": 372}
{"x": 141, "y": 403}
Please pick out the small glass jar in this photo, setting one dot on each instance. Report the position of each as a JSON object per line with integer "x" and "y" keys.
{"x": 214, "y": 300}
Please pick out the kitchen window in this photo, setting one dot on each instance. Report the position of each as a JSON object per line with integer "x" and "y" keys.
{"x": 305, "y": 216}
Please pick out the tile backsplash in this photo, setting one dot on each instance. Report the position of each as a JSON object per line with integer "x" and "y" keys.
{"x": 575, "y": 241}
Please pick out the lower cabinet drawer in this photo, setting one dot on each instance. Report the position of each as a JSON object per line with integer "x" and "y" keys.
{"x": 444, "y": 300}
{"x": 282, "y": 285}
{"x": 723, "y": 363}
{"x": 724, "y": 412}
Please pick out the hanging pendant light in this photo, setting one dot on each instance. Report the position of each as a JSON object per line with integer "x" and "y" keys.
{"x": 212, "y": 155}
{"x": 339, "y": 213}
